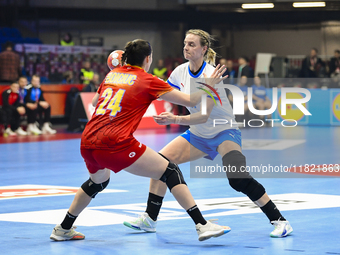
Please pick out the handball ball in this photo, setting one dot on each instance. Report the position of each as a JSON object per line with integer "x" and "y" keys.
{"x": 114, "y": 59}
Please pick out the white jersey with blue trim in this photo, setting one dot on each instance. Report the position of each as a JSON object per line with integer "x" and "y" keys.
{"x": 184, "y": 80}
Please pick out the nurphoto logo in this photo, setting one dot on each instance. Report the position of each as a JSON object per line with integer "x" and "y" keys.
{"x": 239, "y": 101}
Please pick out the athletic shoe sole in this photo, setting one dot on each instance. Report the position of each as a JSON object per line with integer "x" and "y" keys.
{"x": 208, "y": 234}
{"x": 61, "y": 238}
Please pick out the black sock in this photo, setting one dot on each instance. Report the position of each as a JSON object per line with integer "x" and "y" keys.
{"x": 272, "y": 212}
{"x": 196, "y": 215}
{"x": 154, "y": 205}
{"x": 68, "y": 221}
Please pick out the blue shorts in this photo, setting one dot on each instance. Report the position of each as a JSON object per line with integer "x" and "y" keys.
{"x": 209, "y": 146}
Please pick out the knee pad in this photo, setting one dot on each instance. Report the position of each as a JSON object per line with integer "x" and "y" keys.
{"x": 239, "y": 179}
{"x": 172, "y": 176}
{"x": 92, "y": 189}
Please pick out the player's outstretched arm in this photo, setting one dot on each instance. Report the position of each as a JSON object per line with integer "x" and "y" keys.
{"x": 178, "y": 97}
{"x": 166, "y": 118}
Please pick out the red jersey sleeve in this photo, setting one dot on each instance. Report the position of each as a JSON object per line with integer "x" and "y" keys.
{"x": 158, "y": 87}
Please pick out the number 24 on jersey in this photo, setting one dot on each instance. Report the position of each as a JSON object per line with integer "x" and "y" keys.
{"x": 111, "y": 103}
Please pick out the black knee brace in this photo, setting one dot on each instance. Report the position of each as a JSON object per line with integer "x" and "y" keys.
{"x": 239, "y": 179}
{"x": 172, "y": 176}
{"x": 92, "y": 189}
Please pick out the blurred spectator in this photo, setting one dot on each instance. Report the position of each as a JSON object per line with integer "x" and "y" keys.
{"x": 9, "y": 64}
{"x": 260, "y": 99}
{"x": 86, "y": 74}
{"x": 312, "y": 65}
{"x": 94, "y": 84}
{"x": 12, "y": 110}
{"x": 67, "y": 40}
{"x": 68, "y": 77}
{"x": 223, "y": 61}
{"x": 22, "y": 90}
{"x": 36, "y": 104}
{"x": 334, "y": 64}
{"x": 244, "y": 68}
{"x": 160, "y": 71}
{"x": 230, "y": 71}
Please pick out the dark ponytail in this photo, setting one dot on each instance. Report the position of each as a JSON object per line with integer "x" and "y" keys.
{"x": 136, "y": 51}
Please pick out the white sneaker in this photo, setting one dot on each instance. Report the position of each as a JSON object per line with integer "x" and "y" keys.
{"x": 282, "y": 228}
{"x": 48, "y": 130}
{"x": 20, "y": 131}
{"x": 9, "y": 132}
{"x": 143, "y": 222}
{"x": 210, "y": 230}
{"x": 60, "y": 234}
{"x": 32, "y": 129}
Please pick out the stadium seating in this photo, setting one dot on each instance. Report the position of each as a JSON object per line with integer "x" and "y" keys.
{"x": 13, "y": 35}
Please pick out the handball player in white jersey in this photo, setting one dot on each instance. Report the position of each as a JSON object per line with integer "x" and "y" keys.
{"x": 205, "y": 140}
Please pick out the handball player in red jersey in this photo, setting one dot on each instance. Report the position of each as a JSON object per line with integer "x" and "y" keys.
{"x": 108, "y": 143}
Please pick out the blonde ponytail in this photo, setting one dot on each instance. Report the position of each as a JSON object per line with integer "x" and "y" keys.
{"x": 210, "y": 56}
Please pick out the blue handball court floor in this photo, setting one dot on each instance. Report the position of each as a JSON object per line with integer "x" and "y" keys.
{"x": 40, "y": 177}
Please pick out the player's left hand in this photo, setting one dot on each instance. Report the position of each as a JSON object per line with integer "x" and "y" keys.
{"x": 216, "y": 76}
{"x": 165, "y": 118}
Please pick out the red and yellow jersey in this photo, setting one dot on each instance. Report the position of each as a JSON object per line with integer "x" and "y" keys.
{"x": 125, "y": 95}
